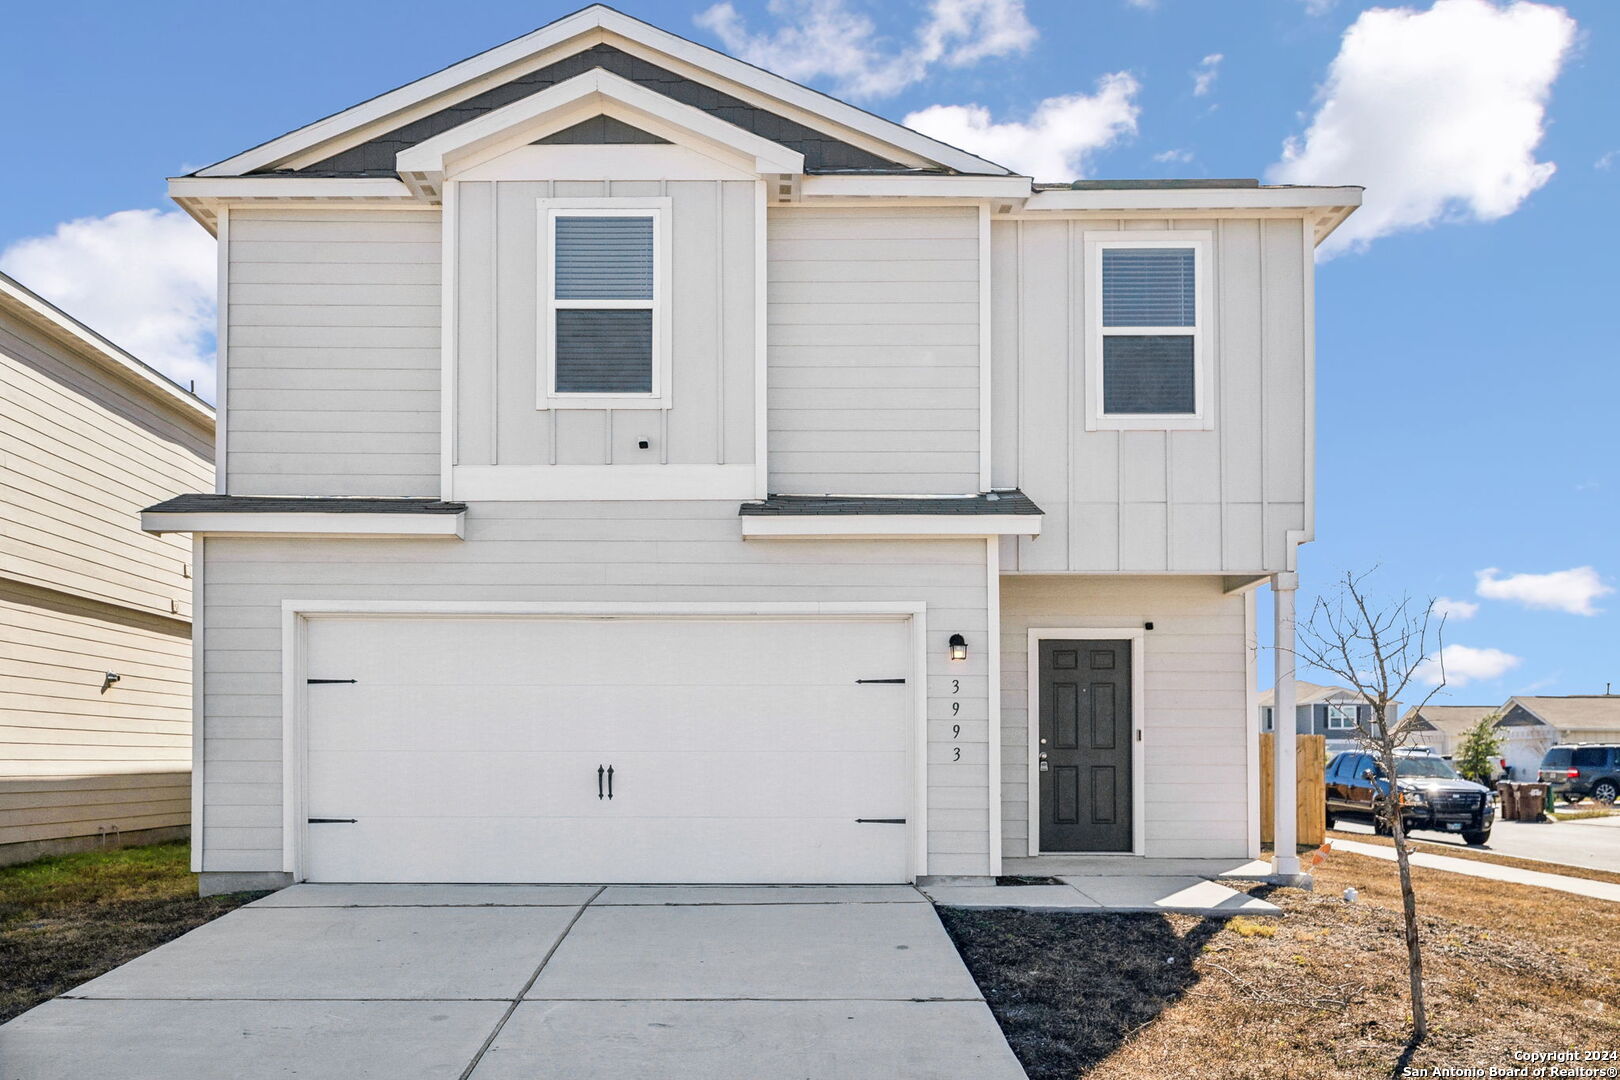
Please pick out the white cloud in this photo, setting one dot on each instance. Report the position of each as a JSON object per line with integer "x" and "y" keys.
{"x": 145, "y": 279}
{"x": 1562, "y": 590}
{"x": 1173, "y": 157}
{"x": 1054, "y": 142}
{"x": 1205, "y": 73}
{"x": 1453, "y": 610}
{"x": 824, "y": 38}
{"x": 1438, "y": 113}
{"x": 1465, "y": 664}
{"x": 1318, "y": 7}
{"x": 1606, "y": 161}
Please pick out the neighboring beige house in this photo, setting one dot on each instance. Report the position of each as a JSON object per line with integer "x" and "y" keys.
{"x": 1442, "y": 727}
{"x": 1333, "y": 711}
{"x": 95, "y": 615}
{"x": 1533, "y": 724}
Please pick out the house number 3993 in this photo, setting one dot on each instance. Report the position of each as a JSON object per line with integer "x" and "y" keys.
{"x": 956, "y": 729}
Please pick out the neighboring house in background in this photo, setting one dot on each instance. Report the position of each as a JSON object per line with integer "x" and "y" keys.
{"x": 639, "y": 467}
{"x": 95, "y": 615}
{"x": 1531, "y": 724}
{"x": 1442, "y": 727}
{"x": 1333, "y": 711}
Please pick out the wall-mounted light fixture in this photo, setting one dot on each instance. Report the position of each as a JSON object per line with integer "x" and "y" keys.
{"x": 108, "y": 679}
{"x": 958, "y": 647}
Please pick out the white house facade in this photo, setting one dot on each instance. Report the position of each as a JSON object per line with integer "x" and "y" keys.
{"x": 634, "y": 466}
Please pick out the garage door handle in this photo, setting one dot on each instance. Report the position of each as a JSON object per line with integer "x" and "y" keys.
{"x": 599, "y": 781}
{"x": 880, "y": 821}
{"x": 332, "y": 820}
{"x": 610, "y": 781}
{"x": 862, "y": 682}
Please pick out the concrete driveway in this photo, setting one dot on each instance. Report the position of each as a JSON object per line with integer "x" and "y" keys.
{"x": 429, "y": 982}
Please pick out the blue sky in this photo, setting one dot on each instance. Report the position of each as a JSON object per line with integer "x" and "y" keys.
{"x": 1467, "y": 376}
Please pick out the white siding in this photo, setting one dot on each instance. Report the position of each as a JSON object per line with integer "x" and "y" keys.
{"x": 873, "y": 383}
{"x": 711, "y": 295}
{"x": 1196, "y": 725}
{"x": 333, "y": 363}
{"x": 576, "y": 552}
{"x": 1134, "y": 501}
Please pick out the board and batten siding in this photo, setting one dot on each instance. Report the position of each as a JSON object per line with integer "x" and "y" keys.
{"x": 1204, "y": 501}
{"x": 873, "y": 343}
{"x": 333, "y": 352}
{"x": 500, "y": 284}
{"x": 1196, "y": 728}
{"x": 574, "y": 552}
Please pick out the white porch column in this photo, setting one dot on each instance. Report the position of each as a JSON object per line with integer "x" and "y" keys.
{"x": 1285, "y": 834}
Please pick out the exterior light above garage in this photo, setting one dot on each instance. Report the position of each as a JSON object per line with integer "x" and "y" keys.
{"x": 958, "y": 647}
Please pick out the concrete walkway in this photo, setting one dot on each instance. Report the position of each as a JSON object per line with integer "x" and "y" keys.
{"x": 1596, "y": 890}
{"x": 1113, "y": 889}
{"x": 429, "y": 982}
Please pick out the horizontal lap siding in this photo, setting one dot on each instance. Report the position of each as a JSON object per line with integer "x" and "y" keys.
{"x": 55, "y": 717}
{"x": 873, "y": 367}
{"x": 1208, "y": 501}
{"x": 45, "y": 808}
{"x": 1195, "y": 680}
{"x": 83, "y": 454}
{"x": 333, "y": 353}
{"x": 574, "y": 552}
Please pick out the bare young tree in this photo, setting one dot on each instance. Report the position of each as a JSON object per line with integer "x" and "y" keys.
{"x": 1379, "y": 650}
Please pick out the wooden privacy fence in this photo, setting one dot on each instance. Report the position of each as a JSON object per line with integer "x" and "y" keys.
{"x": 1310, "y": 794}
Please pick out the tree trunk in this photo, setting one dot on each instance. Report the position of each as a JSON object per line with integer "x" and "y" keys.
{"x": 1414, "y": 952}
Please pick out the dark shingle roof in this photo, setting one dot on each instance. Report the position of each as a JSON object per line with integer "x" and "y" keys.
{"x": 995, "y": 502}
{"x": 300, "y": 504}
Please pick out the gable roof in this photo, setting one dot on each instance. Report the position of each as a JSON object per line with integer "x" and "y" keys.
{"x": 33, "y": 310}
{"x": 1453, "y": 720}
{"x": 476, "y": 85}
{"x": 1309, "y": 693}
{"x": 1574, "y": 712}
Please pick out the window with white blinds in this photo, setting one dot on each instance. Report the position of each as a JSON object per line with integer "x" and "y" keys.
{"x": 603, "y": 307}
{"x": 1147, "y": 339}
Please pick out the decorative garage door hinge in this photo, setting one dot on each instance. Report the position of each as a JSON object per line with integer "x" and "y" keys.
{"x": 333, "y": 820}
{"x": 861, "y": 681}
{"x": 312, "y": 682}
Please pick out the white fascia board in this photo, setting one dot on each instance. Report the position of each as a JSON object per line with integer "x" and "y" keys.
{"x": 293, "y": 523}
{"x": 956, "y": 187}
{"x": 35, "y": 310}
{"x": 598, "y": 17}
{"x": 1261, "y": 198}
{"x": 287, "y": 187}
{"x": 488, "y": 135}
{"x": 888, "y": 526}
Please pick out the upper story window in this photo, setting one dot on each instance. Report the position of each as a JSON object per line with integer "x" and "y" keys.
{"x": 605, "y": 320}
{"x": 1147, "y": 308}
{"x": 1341, "y": 717}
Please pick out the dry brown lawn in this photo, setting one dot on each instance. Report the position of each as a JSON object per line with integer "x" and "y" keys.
{"x": 1320, "y": 992}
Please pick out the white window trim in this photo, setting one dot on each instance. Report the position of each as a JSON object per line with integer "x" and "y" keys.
{"x": 1337, "y": 712}
{"x": 548, "y": 210}
{"x": 1202, "y": 418}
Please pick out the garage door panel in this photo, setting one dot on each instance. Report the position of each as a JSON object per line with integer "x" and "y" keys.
{"x": 507, "y": 652}
{"x": 743, "y": 750}
{"x": 535, "y": 718}
{"x": 436, "y": 849}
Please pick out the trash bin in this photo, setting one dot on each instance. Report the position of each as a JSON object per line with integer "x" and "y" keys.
{"x": 1507, "y": 800}
{"x": 1532, "y": 802}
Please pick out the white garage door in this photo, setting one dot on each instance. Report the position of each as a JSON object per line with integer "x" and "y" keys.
{"x": 607, "y": 750}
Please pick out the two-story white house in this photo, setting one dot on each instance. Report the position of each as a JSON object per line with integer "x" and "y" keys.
{"x": 635, "y": 466}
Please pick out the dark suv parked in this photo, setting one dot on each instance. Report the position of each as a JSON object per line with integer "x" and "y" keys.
{"x": 1432, "y": 795}
{"x": 1584, "y": 769}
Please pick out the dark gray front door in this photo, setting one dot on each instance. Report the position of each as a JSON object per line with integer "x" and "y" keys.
{"x": 1085, "y": 745}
